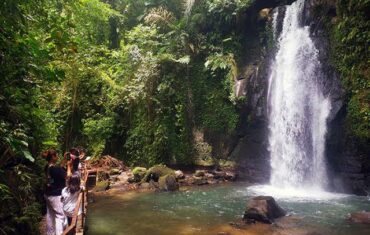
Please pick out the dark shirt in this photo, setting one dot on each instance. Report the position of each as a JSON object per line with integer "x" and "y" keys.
{"x": 55, "y": 180}
{"x": 75, "y": 163}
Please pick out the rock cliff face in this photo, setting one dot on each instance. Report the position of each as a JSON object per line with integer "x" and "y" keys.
{"x": 348, "y": 166}
{"x": 251, "y": 151}
{"x": 347, "y": 163}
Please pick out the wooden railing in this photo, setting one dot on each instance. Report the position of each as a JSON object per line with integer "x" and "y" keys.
{"x": 79, "y": 219}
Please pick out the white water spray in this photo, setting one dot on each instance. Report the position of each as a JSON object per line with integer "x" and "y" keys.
{"x": 297, "y": 107}
{"x": 188, "y": 6}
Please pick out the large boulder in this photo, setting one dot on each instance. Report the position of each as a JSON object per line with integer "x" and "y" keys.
{"x": 155, "y": 172}
{"x": 360, "y": 217}
{"x": 168, "y": 183}
{"x": 263, "y": 209}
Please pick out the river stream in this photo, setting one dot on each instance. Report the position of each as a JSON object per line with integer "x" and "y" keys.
{"x": 209, "y": 209}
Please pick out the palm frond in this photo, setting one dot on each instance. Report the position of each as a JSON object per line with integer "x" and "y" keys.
{"x": 159, "y": 16}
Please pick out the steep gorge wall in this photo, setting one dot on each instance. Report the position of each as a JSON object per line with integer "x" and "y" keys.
{"x": 347, "y": 163}
{"x": 347, "y": 159}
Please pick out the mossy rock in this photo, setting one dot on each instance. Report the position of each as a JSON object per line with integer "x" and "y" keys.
{"x": 101, "y": 186}
{"x": 226, "y": 163}
{"x": 155, "y": 172}
{"x": 139, "y": 173}
{"x": 168, "y": 183}
{"x": 139, "y": 170}
{"x": 205, "y": 162}
{"x": 115, "y": 171}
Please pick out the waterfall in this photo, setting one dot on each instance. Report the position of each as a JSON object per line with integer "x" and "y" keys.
{"x": 297, "y": 107}
{"x": 188, "y": 6}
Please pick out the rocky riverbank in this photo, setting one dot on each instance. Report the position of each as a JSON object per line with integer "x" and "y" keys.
{"x": 114, "y": 176}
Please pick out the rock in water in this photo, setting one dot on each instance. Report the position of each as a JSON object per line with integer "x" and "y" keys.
{"x": 168, "y": 183}
{"x": 155, "y": 172}
{"x": 263, "y": 209}
{"x": 360, "y": 217}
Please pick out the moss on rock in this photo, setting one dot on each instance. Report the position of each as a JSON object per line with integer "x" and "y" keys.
{"x": 139, "y": 170}
{"x": 156, "y": 172}
{"x": 139, "y": 173}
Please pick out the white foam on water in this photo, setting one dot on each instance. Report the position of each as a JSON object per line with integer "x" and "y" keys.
{"x": 294, "y": 194}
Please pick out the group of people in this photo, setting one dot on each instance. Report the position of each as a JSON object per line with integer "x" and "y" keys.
{"x": 63, "y": 186}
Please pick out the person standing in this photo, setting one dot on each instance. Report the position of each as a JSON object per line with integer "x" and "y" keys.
{"x": 75, "y": 158}
{"x": 55, "y": 182}
{"x": 70, "y": 196}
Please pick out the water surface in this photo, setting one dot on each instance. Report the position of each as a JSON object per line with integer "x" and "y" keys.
{"x": 208, "y": 210}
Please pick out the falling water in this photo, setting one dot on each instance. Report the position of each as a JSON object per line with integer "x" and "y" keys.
{"x": 297, "y": 107}
{"x": 188, "y": 6}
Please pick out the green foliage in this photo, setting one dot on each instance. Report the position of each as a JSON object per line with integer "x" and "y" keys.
{"x": 23, "y": 128}
{"x": 224, "y": 62}
{"x": 121, "y": 77}
{"x": 226, "y": 8}
{"x": 15, "y": 140}
{"x": 134, "y": 79}
{"x": 19, "y": 201}
{"x": 351, "y": 36}
{"x": 97, "y": 129}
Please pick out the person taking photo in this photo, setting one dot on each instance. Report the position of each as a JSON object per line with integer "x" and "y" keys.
{"x": 55, "y": 182}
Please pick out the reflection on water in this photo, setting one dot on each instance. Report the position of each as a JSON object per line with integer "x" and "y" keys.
{"x": 208, "y": 210}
